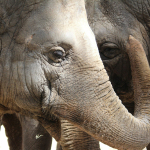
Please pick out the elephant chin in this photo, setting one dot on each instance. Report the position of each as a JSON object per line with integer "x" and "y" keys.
{"x": 124, "y": 89}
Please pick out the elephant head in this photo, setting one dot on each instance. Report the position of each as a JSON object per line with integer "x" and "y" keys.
{"x": 37, "y": 46}
{"x": 112, "y": 22}
{"x": 50, "y": 65}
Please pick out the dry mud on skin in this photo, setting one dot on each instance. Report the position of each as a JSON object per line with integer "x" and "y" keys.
{"x": 4, "y": 144}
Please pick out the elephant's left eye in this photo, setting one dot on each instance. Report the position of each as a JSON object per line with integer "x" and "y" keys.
{"x": 56, "y": 54}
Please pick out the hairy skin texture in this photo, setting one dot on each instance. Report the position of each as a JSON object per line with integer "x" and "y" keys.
{"x": 50, "y": 67}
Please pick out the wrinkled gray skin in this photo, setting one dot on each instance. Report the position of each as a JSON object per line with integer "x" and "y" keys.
{"x": 72, "y": 138}
{"x": 117, "y": 24}
{"x": 50, "y": 66}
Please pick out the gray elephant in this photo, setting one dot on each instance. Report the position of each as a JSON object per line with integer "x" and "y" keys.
{"x": 50, "y": 66}
{"x": 112, "y": 29}
{"x": 5, "y": 25}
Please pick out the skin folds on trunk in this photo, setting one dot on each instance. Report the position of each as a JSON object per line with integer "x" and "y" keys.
{"x": 72, "y": 138}
{"x": 107, "y": 119}
{"x": 141, "y": 79}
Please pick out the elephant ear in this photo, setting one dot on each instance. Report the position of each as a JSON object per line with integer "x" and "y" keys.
{"x": 140, "y": 9}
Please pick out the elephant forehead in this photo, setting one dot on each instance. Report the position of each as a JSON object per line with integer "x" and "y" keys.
{"x": 108, "y": 16}
{"x": 22, "y": 18}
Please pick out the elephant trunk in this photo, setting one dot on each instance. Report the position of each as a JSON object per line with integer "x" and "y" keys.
{"x": 73, "y": 138}
{"x": 141, "y": 79}
{"x": 120, "y": 129}
{"x": 105, "y": 118}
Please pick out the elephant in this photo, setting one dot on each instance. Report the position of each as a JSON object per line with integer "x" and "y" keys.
{"x": 112, "y": 29}
{"x": 5, "y": 120}
{"x": 50, "y": 69}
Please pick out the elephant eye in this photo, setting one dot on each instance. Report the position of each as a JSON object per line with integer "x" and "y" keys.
{"x": 109, "y": 50}
{"x": 55, "y": 54}
{"x": 58, "y": 54}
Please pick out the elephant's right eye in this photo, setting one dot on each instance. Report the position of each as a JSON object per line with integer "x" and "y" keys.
{"x": 109, "y": 50}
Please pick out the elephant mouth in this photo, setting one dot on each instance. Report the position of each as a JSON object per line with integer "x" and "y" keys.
{"x": 46, "y": 95}
{"x": 121, "y": 80}
{"x": 127, "y": 97}
{"x": 125, "y": 92}
{"x": 48, "y": 120}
